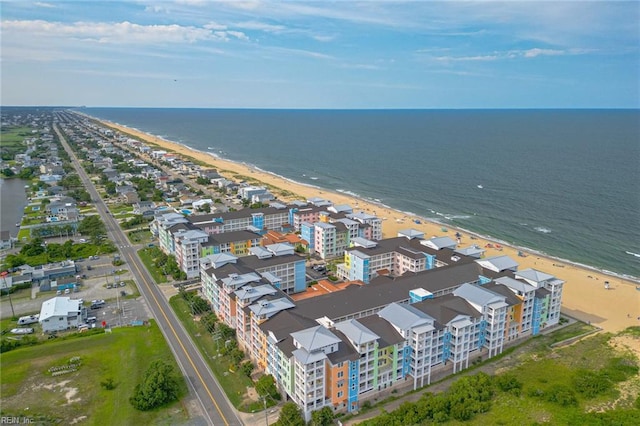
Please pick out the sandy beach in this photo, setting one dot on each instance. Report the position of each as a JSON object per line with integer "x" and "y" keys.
{"x": 585, "y": 296}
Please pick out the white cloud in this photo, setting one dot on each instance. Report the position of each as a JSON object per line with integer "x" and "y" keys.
{"x": 510, "y": 54}
{"x": 214, "y": 26}
{"x": 116, "y": 33}
{"x": 475, "y": 58}
{"x": 299, "y": 52}
{"x": 324, "y": 38}
{"x": 260, "y": 26}
{"x": 532, "y": 53}
{"x": 47, "y": 5}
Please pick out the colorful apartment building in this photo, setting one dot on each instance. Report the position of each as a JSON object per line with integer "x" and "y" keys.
{"x": 341, "y": 348}
{"x": 236, "y": 243}
{"x": 276, "y": 216}
{"x": 187, "y": 250}
{"x": 366, "y": 259}
{"x": 160, "y": 228}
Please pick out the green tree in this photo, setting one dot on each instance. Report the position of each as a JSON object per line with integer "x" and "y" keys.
{"x": 7, "y": 172}
{"x": 225, "y": 331}
{"x": 159, "y": 386}
{"x": 92, "y": 226}
{"x": 209, "y": 321}
{"x": 34, "y": 248}
{"x": 26, "y": 173}
{"x": 322, "y": 417}
{"x": 247, "y": 368}
{"x": 266, "y": 387}
{"x": 110, "y": 188}
{"x": 290, "y": 415}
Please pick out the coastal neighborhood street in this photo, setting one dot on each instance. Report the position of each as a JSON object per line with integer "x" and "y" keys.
{"x": 216, "y": 409}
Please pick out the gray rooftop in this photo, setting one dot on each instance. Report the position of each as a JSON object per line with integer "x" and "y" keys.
{"x": 228, "y": 237}
{"x": 405, "y": 317}
{"x": 271, "y": 307}
{"x": 356, "y": 332}
{"x": 534, "y": 275}
{"x": 387, "y": 334}
{"x": 254, "y": 292}
{"x": 498, "y": 263}
{"x": 478, "y": 295}
{"x": 315, "y": 338}
{"x": 438, "y": 243}
{"x": 517, "y": 285}
{"x": 383, "y": 290}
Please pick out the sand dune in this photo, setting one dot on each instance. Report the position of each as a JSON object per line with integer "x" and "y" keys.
{"x": 585, "y": 296}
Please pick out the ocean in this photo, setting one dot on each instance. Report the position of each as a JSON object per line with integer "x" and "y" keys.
{"x": 559, "y": 182}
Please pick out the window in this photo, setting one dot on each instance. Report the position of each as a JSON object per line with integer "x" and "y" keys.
{"x": 340, "y": 374}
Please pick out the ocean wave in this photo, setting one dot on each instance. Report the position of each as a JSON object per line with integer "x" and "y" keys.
{"x": 347, "y": 192}
{"x": 542, "y": 229}
{"x": 457, "y": 216}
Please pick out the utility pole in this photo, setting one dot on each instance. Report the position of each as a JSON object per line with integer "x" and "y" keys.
{"x": 266, "y": 415}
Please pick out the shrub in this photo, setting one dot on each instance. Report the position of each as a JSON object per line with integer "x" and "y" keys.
{"x": 561, "y": 395}
{"x": 108, "y": 384}
{"x": 590, "y": 383}
{"x": 508, "y": 383}
{"x": 159, "y": 386}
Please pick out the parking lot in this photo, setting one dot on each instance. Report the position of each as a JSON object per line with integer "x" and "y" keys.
{"x": 119, "y": 312}
{"x": 98, "y": 277}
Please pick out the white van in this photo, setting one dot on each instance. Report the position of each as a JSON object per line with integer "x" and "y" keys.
{"x": 30, "y": 319}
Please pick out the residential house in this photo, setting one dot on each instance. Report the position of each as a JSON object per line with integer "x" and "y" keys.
{"x": 60, "y": 313}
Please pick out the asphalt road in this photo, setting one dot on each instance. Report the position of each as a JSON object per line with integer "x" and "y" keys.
{"x": 216, "y": 407}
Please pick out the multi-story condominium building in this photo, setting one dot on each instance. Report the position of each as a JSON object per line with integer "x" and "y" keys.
{"x": 366, "y": 259}
{"x": 160, "y": 228}
{"x": 247, "y": 192}
{"x": 187, "y": 249}
{"x": 222, "y": 274}
{"x": 277, "y": 216}
{"x": 374, "y": 222}
{"x": 330, "y": 240}
{"x": 237, "y": 243}
{"x": 341, "y": 348}
{"x": 307, "y": 233}
{"x": 306, "y": 214}
{"x": 552, "y": 285}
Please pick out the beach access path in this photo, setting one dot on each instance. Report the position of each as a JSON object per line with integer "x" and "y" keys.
{"x": 585, "y": 296}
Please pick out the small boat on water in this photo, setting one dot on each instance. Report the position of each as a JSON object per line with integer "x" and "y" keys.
{"x": 480, "y": 186}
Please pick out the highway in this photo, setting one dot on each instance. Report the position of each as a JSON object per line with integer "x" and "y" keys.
{"x": 216, "y": 408}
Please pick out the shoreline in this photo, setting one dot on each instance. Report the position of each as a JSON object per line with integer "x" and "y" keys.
{"x": 584, "y": 295}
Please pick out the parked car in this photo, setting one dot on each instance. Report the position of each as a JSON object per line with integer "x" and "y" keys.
{"x": 97, "y": 304}
{"x": 29, "y": 319}
{"x": 21, "y": 330}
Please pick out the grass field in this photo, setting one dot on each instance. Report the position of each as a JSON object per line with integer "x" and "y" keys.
{"x": 542, "y": 370}
{"x": 141, "y": 236}
{"x": 156, "y": 274}
{"x": 12, "y": 137}
{"x": 28, "y": 389}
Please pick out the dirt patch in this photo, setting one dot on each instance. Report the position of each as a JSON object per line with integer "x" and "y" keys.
{"x": 77, "y": 420}
{"x": 69, "y": 394}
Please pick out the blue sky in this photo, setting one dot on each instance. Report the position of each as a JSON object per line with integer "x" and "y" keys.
{"x": 342, "y": 54}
